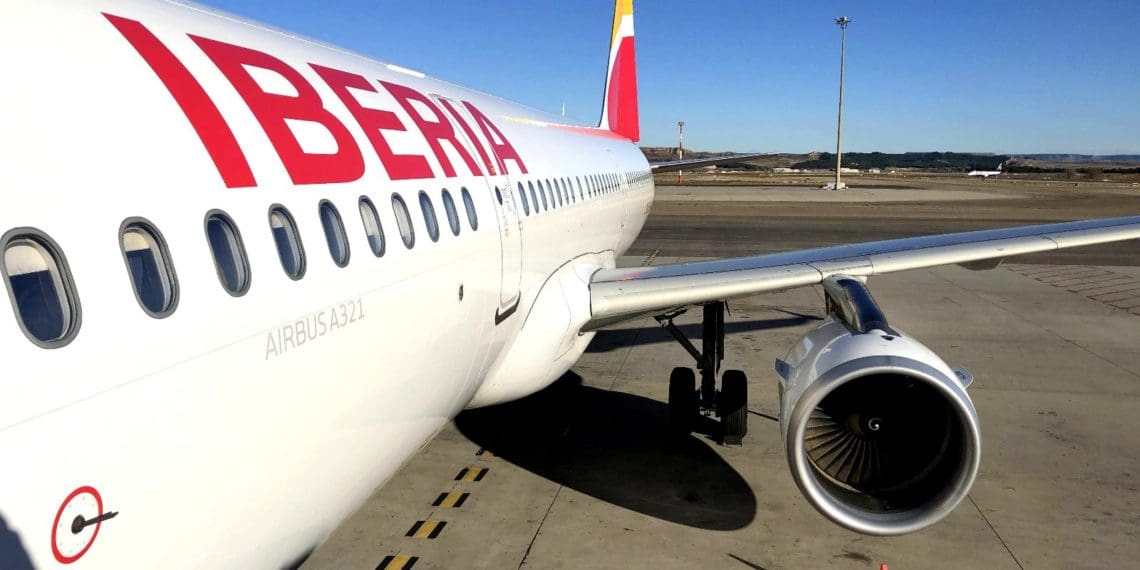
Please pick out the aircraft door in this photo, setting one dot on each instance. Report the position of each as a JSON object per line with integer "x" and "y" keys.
{"x": 510, "y": 240}
{"x": 506, "y": 216}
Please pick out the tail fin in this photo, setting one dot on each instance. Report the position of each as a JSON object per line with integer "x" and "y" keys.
{"x": 619, "y": 109}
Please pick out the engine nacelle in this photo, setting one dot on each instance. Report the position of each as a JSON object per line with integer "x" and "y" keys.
{"x": 880, "y": 434}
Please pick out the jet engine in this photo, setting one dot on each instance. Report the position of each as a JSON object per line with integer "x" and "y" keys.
{"x": 879, "y": 432}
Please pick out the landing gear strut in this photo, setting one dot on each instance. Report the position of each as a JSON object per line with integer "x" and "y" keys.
{"x": 686, "y": 403}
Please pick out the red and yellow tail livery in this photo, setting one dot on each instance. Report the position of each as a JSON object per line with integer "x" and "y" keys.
{"x": 619, "y": 109}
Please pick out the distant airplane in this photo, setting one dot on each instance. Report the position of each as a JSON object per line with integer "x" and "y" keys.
{"x": 985, "y": 173}
{"x": 251, "y": 274}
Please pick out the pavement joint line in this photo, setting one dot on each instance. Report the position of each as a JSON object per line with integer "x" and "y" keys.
{"x": 1054, "y": 270}
{"x": 1103, "y": 284}
{"x": 1042, "y": 269}
{"x": 538, "y": 530}
{"x": 1092, "y": 272}
{"x": 1127, "y": 281}
{"x": 1123, "y": 303}
{"x": 1128, "y": 303}
{"x": 1084, "y": 280}
{"x": 1066, "y": 277}
{"x": 1117, "y": 295}
{"x": 1070, "y": 282}
{"x": 994, "y": 530}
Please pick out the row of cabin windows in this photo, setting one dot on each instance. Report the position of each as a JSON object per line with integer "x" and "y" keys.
{"x": 43, "y": 294}
{"x": 547, "y": 194}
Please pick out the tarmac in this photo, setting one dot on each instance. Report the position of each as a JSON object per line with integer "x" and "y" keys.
{"x": 583, "y": 475}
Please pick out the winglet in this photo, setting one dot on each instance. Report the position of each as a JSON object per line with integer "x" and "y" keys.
{"x": 619, "y": 108}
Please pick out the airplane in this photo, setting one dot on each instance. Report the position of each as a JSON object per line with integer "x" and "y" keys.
{"x": 251, "y": 274}
{"x": 985, "y": 173}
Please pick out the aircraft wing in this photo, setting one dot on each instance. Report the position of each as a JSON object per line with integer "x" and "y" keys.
{"x": 621, "y": 294}
{"x": 676, "y": 165}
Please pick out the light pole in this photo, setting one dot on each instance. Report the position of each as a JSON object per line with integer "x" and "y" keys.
{"x": 842, "y": 21}
{"x": 680, "y": 147}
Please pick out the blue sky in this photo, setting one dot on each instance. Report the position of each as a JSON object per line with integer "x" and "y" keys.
{"x": 996, "y": 76}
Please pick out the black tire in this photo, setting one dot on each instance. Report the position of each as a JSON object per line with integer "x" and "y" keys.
{"x": 682, "y": 401}
{"x": 732, "y": 406}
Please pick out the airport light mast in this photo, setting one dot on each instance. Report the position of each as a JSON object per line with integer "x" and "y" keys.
{"x": 680, "y": 147}
{"x": 842, "y": 21}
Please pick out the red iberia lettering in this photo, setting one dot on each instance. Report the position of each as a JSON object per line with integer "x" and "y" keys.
{"x": 499, "y": 143}
{"x": 435, "y": 131}
{"x": 470, "y": 134}
{"x": 196, "y": 104}
{"x": 373, "y": 121}
{"x": 273, "y": 110}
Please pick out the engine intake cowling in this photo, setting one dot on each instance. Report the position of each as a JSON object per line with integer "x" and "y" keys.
{"x": 880, "y": 434}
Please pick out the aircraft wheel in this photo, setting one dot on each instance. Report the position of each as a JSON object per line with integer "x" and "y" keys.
{"x": 732, "y": 406}
{"x": 682, "y": 401}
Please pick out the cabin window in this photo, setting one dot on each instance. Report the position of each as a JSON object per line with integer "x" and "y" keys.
{"x": 452, "y": 213}
{"x": 533, "y": 196}
{"x": 581, "y": 190}
{"x": 230, "y": 259}
{"x": 522, "y": 199}
{"x": 469, "y": 205}
{"x": 542, "y": 192}
{"x": 372, "y": 228}
{"x": 430, "y": 220}
{"x": 149, "y": 267}
{"x": 403, "y": 221}
{"x": 41, "y": 289}
{"x": 334, "y": 233}
{"x": 559, "y": 192}
{"x": 288, "y": 241}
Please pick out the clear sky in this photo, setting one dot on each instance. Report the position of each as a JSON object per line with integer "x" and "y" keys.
{"x": 998, "y": 76}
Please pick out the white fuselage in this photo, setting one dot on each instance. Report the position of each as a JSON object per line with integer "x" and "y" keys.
{"x": 240, "y": 430}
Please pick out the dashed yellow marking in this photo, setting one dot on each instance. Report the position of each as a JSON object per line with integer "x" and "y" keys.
{"x": 471, "y": 474}
{"x": 452, "y": 500}
{"x": 426, "y": 529}
{"x": 398, "y": 562}
{"x": 484, "y": 452}
{"x": 649, "y": 260}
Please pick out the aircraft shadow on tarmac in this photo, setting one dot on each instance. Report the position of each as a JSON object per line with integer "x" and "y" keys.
{"x": 614, "y": 339}
{"x": 13, "y": 556}
{"x": 615, "y": 447}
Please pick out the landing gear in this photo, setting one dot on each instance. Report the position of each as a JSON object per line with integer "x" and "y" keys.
{"x": 683, "y": 410}
{"x": 686, "y": 403}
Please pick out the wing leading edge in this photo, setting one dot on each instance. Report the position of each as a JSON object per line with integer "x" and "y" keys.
{"x": 675, "y": 165}
{"x": 620, "y": 294}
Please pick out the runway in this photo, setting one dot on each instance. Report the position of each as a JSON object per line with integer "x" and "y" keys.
{"x": 582, "y": 475}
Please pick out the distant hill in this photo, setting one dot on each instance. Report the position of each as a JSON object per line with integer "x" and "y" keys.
{"x": 951, "y": 161}
{"x": 1082, "y": 158}
{"x": 937, "y": 161}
